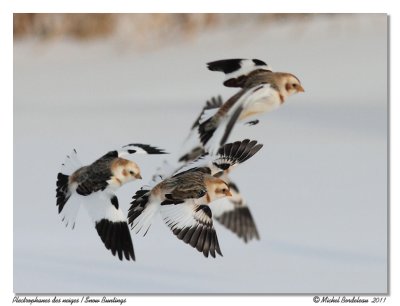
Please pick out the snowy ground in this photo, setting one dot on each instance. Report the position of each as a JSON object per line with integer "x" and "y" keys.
{"x": 317, "y": 190}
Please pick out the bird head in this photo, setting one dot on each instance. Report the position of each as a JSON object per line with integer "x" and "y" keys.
{"x": 289, "y": 85}
{"x": 218, "y": 188}
{"x": 127, "y": 171}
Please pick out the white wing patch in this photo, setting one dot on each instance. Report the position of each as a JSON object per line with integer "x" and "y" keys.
{"x": 70, "y": 211}
{"x": 71, "y": 163}
{"x": 246, "y": 66}
{"x": 221, "y": 206}
{"x": 143, "y": 222}
{"x": 99, "y": 206}
{"x": 180, "y": 216}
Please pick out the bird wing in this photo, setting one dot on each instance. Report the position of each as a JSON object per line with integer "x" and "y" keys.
{"x": 234, "y": 214}
{"x": 192, "y": 147}
{"x": 67, "y": 201}
{"x": 215, "y": 131}
{"x": 227, "y": 157}
{"x": 139, "y": 148}
{"x": 212, "y": 104}
{"x": 110, "y": 223}
{"x": 237, "y": 70}
{"x": 192, "y": 223}
{"x": 142, "y": 211}
{"x": 93, "y": 178}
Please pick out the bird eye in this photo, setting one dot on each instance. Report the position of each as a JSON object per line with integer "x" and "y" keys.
{"x": 223, "y": 190}
{"x": 131, "y": 172}
{"x": 294, "y": 85}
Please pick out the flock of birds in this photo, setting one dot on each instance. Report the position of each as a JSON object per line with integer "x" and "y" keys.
{"x": 195, "y": 191}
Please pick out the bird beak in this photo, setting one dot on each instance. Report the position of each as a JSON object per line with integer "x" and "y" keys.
{"x": 228, "y": 193}
{"x": 138, "y": 176}
{"x": 300, "y": 89}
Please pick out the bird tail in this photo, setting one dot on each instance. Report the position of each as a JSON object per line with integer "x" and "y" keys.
{"x": 63, "y": 190}
{"x": 142, "y": 211}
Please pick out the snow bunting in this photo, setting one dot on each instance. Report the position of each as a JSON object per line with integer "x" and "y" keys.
{"x": 96, "y": 184}
{"x": 183, "y": 198}
{"x": 233, "y": 213}
{"x": 262, "y": 90}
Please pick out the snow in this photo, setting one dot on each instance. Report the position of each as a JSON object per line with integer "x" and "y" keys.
{"x": 317, "y": 190}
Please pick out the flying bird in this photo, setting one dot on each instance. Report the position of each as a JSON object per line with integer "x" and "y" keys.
{"x": 183, "y": 199}
{"x": 261, "y": 90}
{"x": 94, "y": 185}
{"x": 232, "y": 212}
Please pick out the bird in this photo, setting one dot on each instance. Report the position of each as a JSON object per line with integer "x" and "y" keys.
{"x": 261, "y": 90}
{"x": 231, "y": 212}
{"x": 94, "y": 186}
{"x": 183, "y": 198}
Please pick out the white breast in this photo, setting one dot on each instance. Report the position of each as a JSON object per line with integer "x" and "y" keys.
{"x": 261, "y": 100}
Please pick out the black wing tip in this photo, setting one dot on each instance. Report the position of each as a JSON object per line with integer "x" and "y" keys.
{"x": 202, "y": 238}
{"x": 62, "y": 190}
{"x": 148, "y": 148}
{"x": 140, "y": 200}
{"x": 240, "y": 222}
{"x": 206, "y": 131}
{"x": 240, "y": 151}
{"x": 225, "y": 65}
{"x": 214, "y": 102}
{"x": 258, "y": 62}
{"x": 232, "y": 64}
{"x": 116, "y": 238}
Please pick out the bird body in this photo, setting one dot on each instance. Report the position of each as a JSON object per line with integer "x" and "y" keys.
{"x": 183, "y": 198}
{"x": 94, "y": 186}
{"x": 262, "y": 90}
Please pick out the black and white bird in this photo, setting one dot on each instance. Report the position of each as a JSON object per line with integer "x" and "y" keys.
{"x": 183, "y": 199}
{"x": 94, "y": 186}
{"x": 232, "y": 212}
{"x": 262, "y": 90}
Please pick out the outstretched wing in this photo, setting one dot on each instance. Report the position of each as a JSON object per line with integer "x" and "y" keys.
{"x": 234, "y": 214}
{"x": 237, "y": 70}
{"x": 227, "y": 157}
{"x": 110, "y": 223}
{"x": 192, "y": 224}
{"x": 142, "y": 211}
